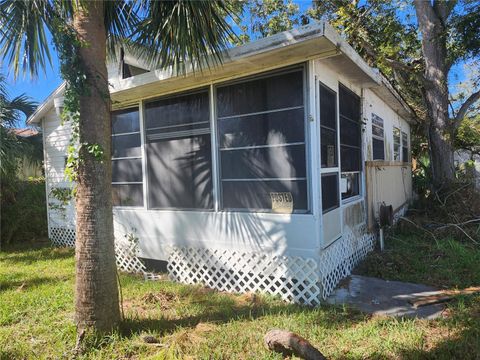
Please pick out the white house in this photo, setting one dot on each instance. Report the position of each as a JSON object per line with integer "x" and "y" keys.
{"x": 263, "y": 174}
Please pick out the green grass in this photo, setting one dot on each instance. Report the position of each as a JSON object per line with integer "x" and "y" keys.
{"x": 36, "y": 312}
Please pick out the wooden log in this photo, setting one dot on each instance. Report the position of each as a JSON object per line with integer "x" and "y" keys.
{"x": 289, "y": 343}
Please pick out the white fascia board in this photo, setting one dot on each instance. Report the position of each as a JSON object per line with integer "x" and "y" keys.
{"x": 236, "y": 54}
{"x": 46, "y": 106}
{"x": 344, "y": 47}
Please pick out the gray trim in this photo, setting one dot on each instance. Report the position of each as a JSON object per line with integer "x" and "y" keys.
{"x": 179, "y": 125}
{"x": 177, "y": 134}
{"x": 265, "y": 179}
{"x": 262, "y": 146}
{"x": 261, "y": 112}
{"x": 127, "y": 133}
{"x": 127, "y": 182}
{"x": 126, "y": 157}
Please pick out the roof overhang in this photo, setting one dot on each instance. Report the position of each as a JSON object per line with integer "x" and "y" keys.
{"x": 46, "y": 106}
{"x": 315, "y": 41}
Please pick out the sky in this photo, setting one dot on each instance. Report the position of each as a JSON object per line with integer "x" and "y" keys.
{"x": 46, "y": 82}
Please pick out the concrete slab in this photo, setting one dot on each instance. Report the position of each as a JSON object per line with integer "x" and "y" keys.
{"x": 382, "y": 297}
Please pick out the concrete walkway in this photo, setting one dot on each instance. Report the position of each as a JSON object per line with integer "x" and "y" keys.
{"x": 381, "y": 297}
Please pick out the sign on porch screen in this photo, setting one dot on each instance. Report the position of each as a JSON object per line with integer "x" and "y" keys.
{"x": 282, "y": 202}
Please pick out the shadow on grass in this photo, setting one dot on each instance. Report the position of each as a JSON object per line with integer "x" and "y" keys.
{"x": 17, "y": 282}
{"x": 215, "y": 308}
{"x": 29, "y": 253}
{"x": 463, "y": 338}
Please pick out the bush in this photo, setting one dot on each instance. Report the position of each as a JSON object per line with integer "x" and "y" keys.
{"x": 24, "y": 212}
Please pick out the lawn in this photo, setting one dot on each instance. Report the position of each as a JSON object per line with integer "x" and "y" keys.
{"x": 36, "y": 312}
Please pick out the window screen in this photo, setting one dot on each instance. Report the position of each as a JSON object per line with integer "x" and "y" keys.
{"x": 127, "y": 173}
{"x": 396, "y": 144}
{"x": 350, "y": 139}
{"x": 178, "y": 151}
{"x": 328, "y": 127}
{"x": 330, "y": 199}
{"x": 405, "y": 157}
{"x": 261, "y": 130}
{"x": 378, "y": 140}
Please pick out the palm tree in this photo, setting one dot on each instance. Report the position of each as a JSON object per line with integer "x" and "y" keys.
{"x": 164, "y": 32}
{"x": 12, "y": 149}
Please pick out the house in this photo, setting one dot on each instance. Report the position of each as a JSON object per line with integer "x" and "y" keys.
{"x": 263, "y": 174}
{"x": 28, "y": 167}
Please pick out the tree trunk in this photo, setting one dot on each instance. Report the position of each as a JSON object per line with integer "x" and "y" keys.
{"x": 431, "y": 23}
{"x": 96, "y": 291}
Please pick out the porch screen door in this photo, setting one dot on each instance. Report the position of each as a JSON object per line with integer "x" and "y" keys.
{"x": 330, "y": 170}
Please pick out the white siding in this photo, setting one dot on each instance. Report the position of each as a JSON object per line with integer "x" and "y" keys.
{"x": 56, "y": 140}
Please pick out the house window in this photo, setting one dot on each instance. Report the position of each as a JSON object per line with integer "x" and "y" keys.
{"x": 127, "y": 174}
{"x": 405, "y": 157}
{"x": 396, "y": 144}
{"x": 350, "y": 142}
{"x": 329, "y": 148}
{"x": 378, "y": 140}
{"x": 328, "y": 127}
{"x": 261, "y": 135}
{"x": 330, "y": 196}
{"x": 178, "y": 151}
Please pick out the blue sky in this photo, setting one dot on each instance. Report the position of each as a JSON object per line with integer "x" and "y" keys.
{"x": 39, "y": 88}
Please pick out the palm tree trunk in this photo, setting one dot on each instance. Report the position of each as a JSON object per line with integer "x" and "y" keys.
{"x": 96, "y": 291}
{"x": 432, "y": 28}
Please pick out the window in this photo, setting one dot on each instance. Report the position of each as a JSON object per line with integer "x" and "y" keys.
{"x": 329, "y": 149}
{"x": 127, "y": 174}
{"x": 350, "y": 142}
{"x": 405, "y": 155}
{"x": 261, "y": 135}
{"x": 178, "y": 151}
{"x": 396, "y": 144}
{"x": 328, "y": 127}
{"x": 330, "y": 198}
{"x": 378, "y": 141}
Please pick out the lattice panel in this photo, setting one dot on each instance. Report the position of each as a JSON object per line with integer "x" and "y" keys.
{"x": 126, "y": 257}
{"x": 294, "y": 279}
{"x": 338, "y": 260}
{"x": 62, "y": 237}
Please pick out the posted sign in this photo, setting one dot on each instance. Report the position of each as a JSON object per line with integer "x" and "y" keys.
{"x": 282, "y": 202}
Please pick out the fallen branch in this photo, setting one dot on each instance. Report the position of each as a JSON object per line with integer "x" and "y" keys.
{"x": 289, "y": 343}
{"x": 442, "y": 296}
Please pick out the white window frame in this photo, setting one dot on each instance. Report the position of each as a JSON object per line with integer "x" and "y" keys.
{"x": 398, "y": 144}
{"x": 334, "y": 169}
{"x": 405, "y": 146}
{"x": 377, "y": 137}
{"x": 358, "y": 197}
{"x": 305, "y": 143}
{"x": 141, "y": 156}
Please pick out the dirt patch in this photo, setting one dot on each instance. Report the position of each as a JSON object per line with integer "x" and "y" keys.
{"x": 165, "y": 300}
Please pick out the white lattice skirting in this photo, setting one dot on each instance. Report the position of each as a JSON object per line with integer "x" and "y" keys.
{"x": 338, "y": 260}
{"x": 125, "y": 255}
{"x": 292, "y": 278}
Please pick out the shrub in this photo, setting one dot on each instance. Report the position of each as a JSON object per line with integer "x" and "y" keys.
{"x": 24, "y": 212}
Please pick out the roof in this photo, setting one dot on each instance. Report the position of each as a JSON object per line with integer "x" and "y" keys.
{"x": 318, "y": 40}
{"x": 25, "y": 132}
{"x": 46, "y": 105}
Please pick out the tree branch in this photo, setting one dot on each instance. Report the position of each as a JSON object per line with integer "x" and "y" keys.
{"x": 472, "y": 99}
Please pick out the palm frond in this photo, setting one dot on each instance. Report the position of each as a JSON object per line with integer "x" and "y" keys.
{"x": 181, "y": 31}
{"x": 23, "y": 40}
